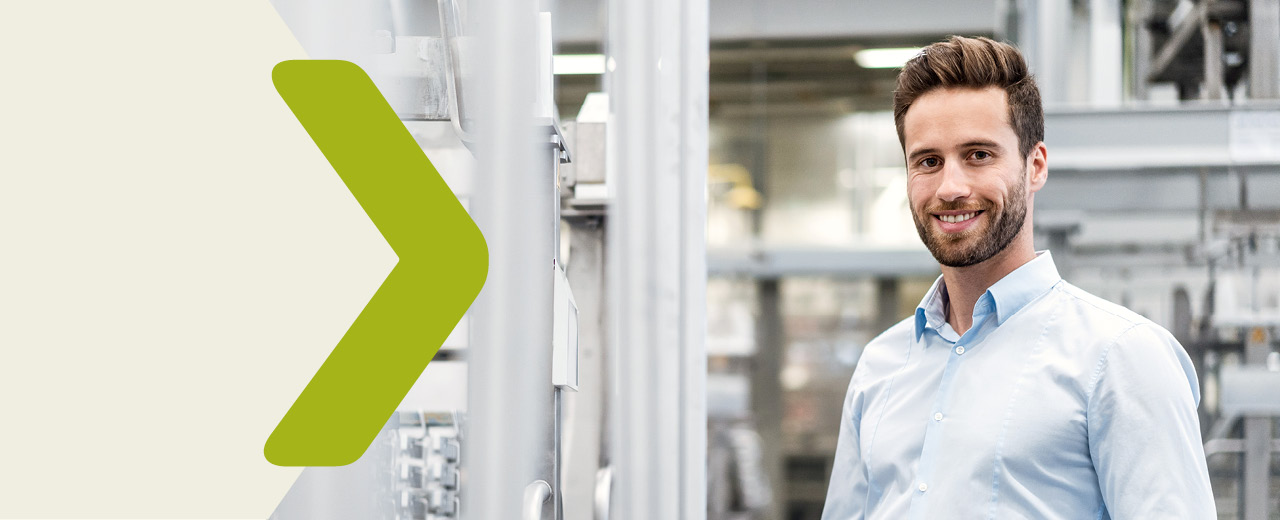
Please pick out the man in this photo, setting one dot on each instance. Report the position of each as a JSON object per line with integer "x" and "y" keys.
{"x": 1010, "y": 393}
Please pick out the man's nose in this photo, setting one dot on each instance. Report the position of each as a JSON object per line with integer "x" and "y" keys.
{"x": 955, "y": 183}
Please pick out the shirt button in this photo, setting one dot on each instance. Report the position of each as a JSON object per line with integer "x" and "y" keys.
{"x": 959, "y": 350}
{"x": 923, "y": 487}
{"x": 937, "y": 416}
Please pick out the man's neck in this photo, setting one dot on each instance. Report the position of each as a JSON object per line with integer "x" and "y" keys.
{"x": 966, "y": 284}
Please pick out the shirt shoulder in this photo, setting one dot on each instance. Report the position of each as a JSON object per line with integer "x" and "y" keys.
{"x": 885, "y": 352}
{"x": 1125, "y": 341}
{"x": 895, "y": 338}
{"x": 1105, "y": 320}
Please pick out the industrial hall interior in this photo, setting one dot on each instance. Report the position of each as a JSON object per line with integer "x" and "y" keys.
{"x": 700, "y": 218}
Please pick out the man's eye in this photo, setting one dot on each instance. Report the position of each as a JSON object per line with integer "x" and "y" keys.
{"x": 981, "y": 155}
{"x": 929, "y": 162}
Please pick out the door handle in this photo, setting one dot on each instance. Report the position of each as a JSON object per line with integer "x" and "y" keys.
{"x": 535, "y": 494}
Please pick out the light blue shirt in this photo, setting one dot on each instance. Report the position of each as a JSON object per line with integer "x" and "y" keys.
{"x": 1054, "y": 404}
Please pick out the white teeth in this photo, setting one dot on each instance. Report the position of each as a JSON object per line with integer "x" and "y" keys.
{"x": 957, "y": 218}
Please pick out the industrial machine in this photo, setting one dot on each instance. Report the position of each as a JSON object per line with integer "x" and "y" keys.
{"x": 537, "y": 405}
{"x": 417, "y": 469}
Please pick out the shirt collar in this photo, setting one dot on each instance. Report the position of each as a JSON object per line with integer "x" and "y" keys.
{"x": 1008, "y": 296}
{"x": 929, "y": 313}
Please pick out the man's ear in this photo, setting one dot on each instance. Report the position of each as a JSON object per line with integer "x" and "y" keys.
{"x": 1038, "y": 167}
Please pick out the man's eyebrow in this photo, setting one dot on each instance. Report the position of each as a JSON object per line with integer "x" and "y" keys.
{"x": 918, "y": 153}
{"x": 980, "y": 143}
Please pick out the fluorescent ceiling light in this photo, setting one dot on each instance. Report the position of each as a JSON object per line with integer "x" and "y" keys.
{"x": 892, "y": 58}
{"x": 577, "y": 64}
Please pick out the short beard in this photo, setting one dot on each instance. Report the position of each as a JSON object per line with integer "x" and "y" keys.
{"x": 1004, "y": 228}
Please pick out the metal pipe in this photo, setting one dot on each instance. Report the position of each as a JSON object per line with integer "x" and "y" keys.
{"x": 584, "y": 410}
{"x": 1048, "y": 26}
{"x": 451, "y": 32}
{"x": 1224, "y": 446}
{"x": 1142, "y": 48}
{"x": 1106, "y": 52}
{"x": 1215, "y": 87}
{"x": 535, "y": 494}
{"x": 1264, "y": 49}
{"x": 766, "y": 390}
{"x": 509, "y": 364}
{"x": 1256, "y": 482}
{"x": 557, "y": 436}
{"x": 636, "y": 426}
{"x": 693, "y": 113}
{"x": 657, "y": 92}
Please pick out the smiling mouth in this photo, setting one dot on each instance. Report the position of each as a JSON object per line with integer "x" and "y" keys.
{"x": 956, "y": 219}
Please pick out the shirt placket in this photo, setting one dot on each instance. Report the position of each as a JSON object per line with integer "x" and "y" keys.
{"x": 936, "y": 420}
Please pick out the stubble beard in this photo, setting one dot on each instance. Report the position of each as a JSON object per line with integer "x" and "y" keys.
{"x": 964, "y": 249}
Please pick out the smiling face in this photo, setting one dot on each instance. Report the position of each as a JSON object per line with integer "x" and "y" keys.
{"x": 968, "y": 185}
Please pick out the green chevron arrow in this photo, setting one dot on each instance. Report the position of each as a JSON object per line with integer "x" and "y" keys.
{"x": 443, "y": 263}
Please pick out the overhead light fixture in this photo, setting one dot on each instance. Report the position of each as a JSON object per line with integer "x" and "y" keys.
{"x": 562, "y": 64}
{"x": 888, "y": 58}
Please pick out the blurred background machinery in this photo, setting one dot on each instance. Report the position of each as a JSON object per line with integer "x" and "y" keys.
{"x": 1162, "y": 129}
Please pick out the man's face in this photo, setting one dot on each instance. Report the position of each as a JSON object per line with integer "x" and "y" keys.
{"x": 967, "y": 180}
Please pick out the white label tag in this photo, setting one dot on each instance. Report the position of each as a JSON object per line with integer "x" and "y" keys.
{"x": 1255, "y": 136}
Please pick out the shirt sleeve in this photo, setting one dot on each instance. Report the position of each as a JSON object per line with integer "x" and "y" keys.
{"x": 1144, "y": 434}
{"x": 847, "y": 492}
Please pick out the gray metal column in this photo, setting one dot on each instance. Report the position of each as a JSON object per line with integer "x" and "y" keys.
{"x": 1106, "y": 53}
{"x": 888, "y": 300}
{"x": 585, "y": 409}
{"x": 1215, "y": 87}
{"x": 766, "y": 391}
{"x": 694, "y": 62}
{"x": 1046, "y": 29}
{"x": 658, "y": 93}
{"x": 1140, "y": 47}
{"x": 1264, "y": 49}
{"x": 1256, "y": 483}
{"x": 509, "y": 379}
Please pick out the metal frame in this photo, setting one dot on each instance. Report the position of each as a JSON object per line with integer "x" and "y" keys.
{"x": 1256, "y": 482}
{"x": 1249, "y": 397}
{"x": 1106, "y": 68}
{"x": 584, "y": 410}
{"x": 451, "y": 32}
{"x": 1191, "y": 136}
{"x": 658, "y": 96}
{"x": 694, "y": 96}
{"x": 776, "y": 262}
{"x": 509, "y": 379}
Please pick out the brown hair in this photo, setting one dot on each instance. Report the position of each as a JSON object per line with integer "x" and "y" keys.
{"x": 974, "y": 63}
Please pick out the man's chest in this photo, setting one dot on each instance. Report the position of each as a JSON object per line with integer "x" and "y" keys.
{"x": 961, "y": 421}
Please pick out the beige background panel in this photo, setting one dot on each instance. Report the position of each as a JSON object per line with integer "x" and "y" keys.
{"x": 176, "y": 259}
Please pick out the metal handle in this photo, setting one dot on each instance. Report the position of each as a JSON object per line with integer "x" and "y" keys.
{"x": 535, "y": 494}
